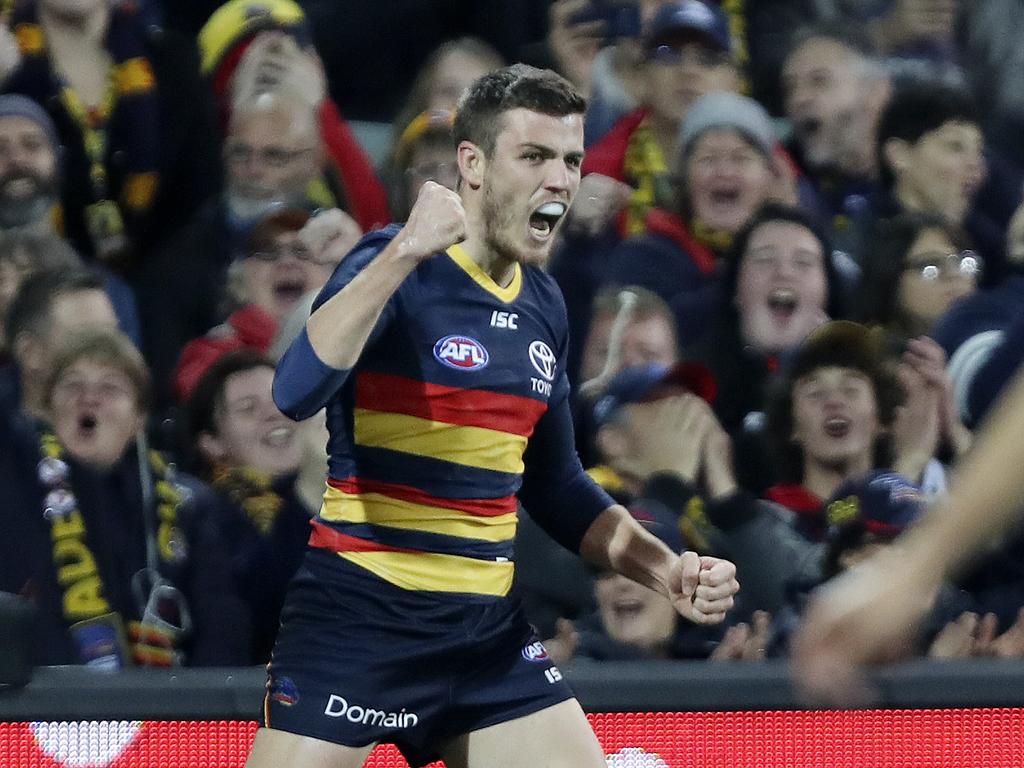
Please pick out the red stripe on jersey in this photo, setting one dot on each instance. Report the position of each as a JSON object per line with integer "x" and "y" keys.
{"x": 451, "y": 405}
{"x": 325, "y": 537}
{"x": 478, "y": 507}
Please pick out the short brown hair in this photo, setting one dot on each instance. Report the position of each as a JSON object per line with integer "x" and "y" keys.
{"x": 477, "y": 118}
{"x": 104, "y": 346}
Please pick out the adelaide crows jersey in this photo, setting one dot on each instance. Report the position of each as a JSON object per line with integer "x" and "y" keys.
{"x": 458, "y": 402}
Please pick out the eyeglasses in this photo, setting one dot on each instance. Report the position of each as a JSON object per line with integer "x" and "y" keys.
{"x": 691, "y": 54}
{"x": 272, "y": 157}
{"x": 274, "y": 252}
{"x": 932, "y": 266}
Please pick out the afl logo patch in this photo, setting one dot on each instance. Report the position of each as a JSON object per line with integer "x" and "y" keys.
{"x": 461, "y": 353}
{"x": 535, "y": 652}
{"x": 543, "y": 359}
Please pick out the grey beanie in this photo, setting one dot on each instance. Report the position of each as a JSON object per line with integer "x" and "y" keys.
{"x": 724, "y": 109}
{"x": 16, "y": 105}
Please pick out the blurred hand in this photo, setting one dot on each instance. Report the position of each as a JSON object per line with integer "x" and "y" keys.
{"x": 330, "y": 235}
{"x": 784, "y": 190}
{"x": 957, "y": 638}
{"x": 928, "y": 359}
{"x": 574, "y": 46}
{"x": 437, "y": 220}
{"x": 870, "y": 613}
{"x": 911, "y": 21}
{"x": 917, "y": 428}
{"x": 674, "y": 430}
{"x": 1009, "y": 645}
{"x": 597, "y": 203}
{"x": 745, "y": 642}
{"x": 274, "y": 62}
{"x": 702, "y": 588}
{"x": 562, "y": 647}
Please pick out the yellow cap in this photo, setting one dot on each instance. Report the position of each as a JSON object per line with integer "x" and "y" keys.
{"x": 238, "y": 18}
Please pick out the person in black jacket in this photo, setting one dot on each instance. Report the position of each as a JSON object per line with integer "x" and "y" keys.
{"x": 113, "y": 546}
{"x": 133, "y": 116}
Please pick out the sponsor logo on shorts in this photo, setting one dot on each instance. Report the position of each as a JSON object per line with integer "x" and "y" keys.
{"x": 339, "y": 706}
{"x": 535, "y": 652}
{"x": 461, "y": 353}
{"x": 284, "y": 691}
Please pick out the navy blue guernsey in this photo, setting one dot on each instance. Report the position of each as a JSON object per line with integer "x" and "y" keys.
{"x": 458, "y": 403}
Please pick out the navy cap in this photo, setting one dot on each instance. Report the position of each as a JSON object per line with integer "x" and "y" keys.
{"x": 882, "y": 502}
{"x": 640, "y": 383}
{"x": 706, "y": 19}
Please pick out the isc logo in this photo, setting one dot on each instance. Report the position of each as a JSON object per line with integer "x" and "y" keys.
{"x": 461, "y": 352}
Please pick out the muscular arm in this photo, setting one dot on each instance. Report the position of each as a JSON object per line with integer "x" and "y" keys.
{"x": 616, "y": 541}
{"x": 316, "y": 364}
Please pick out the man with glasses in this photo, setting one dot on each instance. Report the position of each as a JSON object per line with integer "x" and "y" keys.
{"x": 273, "y": 157}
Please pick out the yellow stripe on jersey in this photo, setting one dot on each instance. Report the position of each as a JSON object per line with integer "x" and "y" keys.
{"x": 378, "y": 509}
{"x": 507, "y": 294}
{"x": 437, "y": 573}
{"x": 468, "y": 446}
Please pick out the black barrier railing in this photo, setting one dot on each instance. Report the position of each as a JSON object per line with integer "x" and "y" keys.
{"x": 76, "y": 693}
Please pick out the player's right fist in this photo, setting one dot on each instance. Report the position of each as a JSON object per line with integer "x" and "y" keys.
{"x": 436, "y": 221}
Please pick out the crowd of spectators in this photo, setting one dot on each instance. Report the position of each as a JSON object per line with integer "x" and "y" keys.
{"x": 794, "y": 277}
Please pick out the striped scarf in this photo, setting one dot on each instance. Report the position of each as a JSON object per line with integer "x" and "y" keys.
{"x": 125, "y": 125}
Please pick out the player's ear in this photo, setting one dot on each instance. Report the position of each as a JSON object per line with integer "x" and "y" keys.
{"x": 471, "y": 164}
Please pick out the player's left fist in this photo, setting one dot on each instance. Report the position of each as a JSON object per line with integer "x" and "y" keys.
{"x": 702, "y": 588}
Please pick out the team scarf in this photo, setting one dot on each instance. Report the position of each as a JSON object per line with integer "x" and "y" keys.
{"x": 252, "y": 490}
{"x": 83, "y": 598}
{"x": 126, "y": 122}
{"x": 644, "y": 167}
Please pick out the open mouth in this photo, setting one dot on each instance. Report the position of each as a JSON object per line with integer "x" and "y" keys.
{"x": 782, "y": 303}
{"x": 725, "y": 196}
{"x": 21, "y": 186}
{"x": 628, "y": 609}
{"x": 544, "y": 220}
{"x": 278, "y": 437}
{"x": 289, "y": 290}
{"x": 87, "y": 424}
{"x": 837, "y": 427}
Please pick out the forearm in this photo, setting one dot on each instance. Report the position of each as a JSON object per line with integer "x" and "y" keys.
{"x": 338, "y": 330}
{"x": 617, "y": 542}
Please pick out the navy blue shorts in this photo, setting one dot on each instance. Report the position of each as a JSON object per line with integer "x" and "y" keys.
{"x": 359, "y": 660}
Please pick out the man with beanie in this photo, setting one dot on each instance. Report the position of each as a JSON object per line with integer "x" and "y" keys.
{"x": 29, "y": 165}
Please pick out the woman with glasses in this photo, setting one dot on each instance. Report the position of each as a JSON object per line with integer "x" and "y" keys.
{"x": 110, "y": 540}
{"x": 917, "y": 266}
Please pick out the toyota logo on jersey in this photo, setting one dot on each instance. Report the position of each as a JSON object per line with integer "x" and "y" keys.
{"x": 461, "y": 353}
{"x": 543, "y": 359}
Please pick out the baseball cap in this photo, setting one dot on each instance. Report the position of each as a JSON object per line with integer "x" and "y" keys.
{"x": 723, "y": 109}
{"x": 881, "y": 502}
{"x": 691, "y": 16}
{"x": 640, "y": 383}
{"x": 438, "y": 122}
{"x": 238, "y": 20}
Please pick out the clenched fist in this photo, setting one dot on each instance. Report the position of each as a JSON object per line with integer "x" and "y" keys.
{"x": 436, "y": 221}
{"x": 702, "y": 588}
